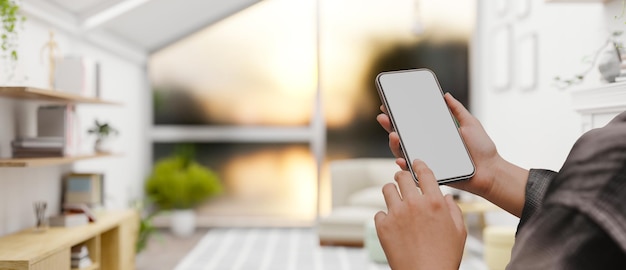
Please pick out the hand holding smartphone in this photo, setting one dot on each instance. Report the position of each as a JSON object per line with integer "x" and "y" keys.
{"x": 426, "y": 127}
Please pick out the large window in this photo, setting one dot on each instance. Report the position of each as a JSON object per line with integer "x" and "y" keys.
{"x": 272, "y": 94}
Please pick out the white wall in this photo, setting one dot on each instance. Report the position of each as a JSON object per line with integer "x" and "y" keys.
{"x": 536, "y": 128}
{"x": 121, "y": 80}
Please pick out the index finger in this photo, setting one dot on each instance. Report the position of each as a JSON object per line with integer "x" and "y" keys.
{"x": 406, "y": 184}
{"x": 426, "y": 179}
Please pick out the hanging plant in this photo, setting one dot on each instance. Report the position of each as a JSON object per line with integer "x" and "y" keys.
{"x": 10, "y": 16}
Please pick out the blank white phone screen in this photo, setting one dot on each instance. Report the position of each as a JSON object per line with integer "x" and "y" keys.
{"x": 421, "y": 118}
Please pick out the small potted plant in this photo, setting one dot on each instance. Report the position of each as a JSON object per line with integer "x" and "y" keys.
{"x": 103, "y": 132}
{"x": 178, "y": 184}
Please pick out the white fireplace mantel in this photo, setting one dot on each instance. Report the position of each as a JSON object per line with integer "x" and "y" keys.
{"x": 598, "y": 105}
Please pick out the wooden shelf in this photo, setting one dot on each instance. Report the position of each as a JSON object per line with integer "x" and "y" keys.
{"x": 32, "y": 93}
{"x": 94, "y": 266}
{"x": 599, "y": 99}
{"x": 48, "y": 161}
{"x": 113, "y": 238}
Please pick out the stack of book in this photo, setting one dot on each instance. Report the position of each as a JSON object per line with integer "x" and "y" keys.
{"x": 80, "y": 257}
{"x": 38, "y": 147}
{"x": 69, "y": 220}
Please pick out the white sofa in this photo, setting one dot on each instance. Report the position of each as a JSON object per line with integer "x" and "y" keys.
{"x": 356, "y": 188}
{"x": 356, "y": 197}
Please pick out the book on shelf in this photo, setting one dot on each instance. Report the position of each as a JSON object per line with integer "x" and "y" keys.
{"x": 80, "y": 256}
{"x": 70, "y": 208}
{"x": 36, "y": 153}
{"x": 60, "y": 121}
{"x": 31, "y": 147}
{"x": 79, "y": 252}
{"x": 38, "y": 142}
{"x": 68, "y": 220}
{"x": 84, "y": 188}
{"x": 78, "y": 75}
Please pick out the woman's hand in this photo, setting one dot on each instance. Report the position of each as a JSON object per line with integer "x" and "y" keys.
{"x": 495, "y": 179}
{"x": 481, "y": 147}
{"x": 421, "y": 230}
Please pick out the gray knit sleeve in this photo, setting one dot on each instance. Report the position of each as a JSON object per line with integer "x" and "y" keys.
{"x": 538, "y": 182}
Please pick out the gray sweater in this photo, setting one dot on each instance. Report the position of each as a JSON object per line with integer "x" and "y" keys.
{"x": 576, "y": 218}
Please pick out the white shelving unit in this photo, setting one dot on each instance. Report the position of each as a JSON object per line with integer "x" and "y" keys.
{"x": 598, "y": 105}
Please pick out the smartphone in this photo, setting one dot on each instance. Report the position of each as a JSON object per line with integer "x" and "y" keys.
{"x": 427, "y": 129}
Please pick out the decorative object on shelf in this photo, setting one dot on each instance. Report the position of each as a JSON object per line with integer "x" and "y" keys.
{"x": 179, "y": 183}
{"x": 10, "y": 17}
{"x": 609, "y": 63}
{"x": 622, "y": 67}
{"x": 53, "y": 49}
{"x": 84, "y": 188}
{"x": 77, "y": 75}
{"x": 613, "y": 45}
{"x": 103, "y": 132}
{"x": 608, "y": 56}
{"x": 80, "y": 257}
{"x": 40, "y": 216}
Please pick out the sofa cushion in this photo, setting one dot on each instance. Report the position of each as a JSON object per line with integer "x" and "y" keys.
{"x": 368, "y": 197}
{"x": 350, "y": 215}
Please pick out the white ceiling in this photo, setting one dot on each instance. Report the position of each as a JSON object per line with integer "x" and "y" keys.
{"x": 150, "y": 24}
{"x": 83, "y": 7}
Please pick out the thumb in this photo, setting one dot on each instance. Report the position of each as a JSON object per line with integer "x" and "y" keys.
{"x": 455, "y": 212}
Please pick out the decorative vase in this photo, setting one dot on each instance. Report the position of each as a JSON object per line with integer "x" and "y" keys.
{"x": 609, "y": 64}
{"x": 183, "y": 222}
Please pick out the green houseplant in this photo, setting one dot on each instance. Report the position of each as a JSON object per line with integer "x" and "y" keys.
{"x": 10, "y": 17}
{"x": 179, "y": 183}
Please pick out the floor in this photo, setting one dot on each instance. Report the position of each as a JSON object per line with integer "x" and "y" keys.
{"x": 164, "y": 250}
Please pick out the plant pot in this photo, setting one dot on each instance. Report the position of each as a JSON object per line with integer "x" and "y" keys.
{"x": 183, "y": 222}
{"x": 102, "y": 146}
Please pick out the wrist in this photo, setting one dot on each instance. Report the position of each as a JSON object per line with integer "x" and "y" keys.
{"x": 508, "y": 188}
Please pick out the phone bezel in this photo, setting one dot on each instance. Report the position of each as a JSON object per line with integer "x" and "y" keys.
{"x": 393, "y": 124}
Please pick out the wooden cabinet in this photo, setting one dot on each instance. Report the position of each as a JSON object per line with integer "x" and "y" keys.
{"x": 598, "y": 105}
{"x": 110, "y": 241}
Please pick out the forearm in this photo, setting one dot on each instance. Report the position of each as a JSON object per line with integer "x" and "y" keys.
{"x": 508, "y": 190}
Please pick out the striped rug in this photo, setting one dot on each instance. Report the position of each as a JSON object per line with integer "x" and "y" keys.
{"x": 286, "y": 249}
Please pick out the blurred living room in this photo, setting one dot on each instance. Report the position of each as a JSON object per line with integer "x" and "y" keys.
{"x": 242, "y": 134}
